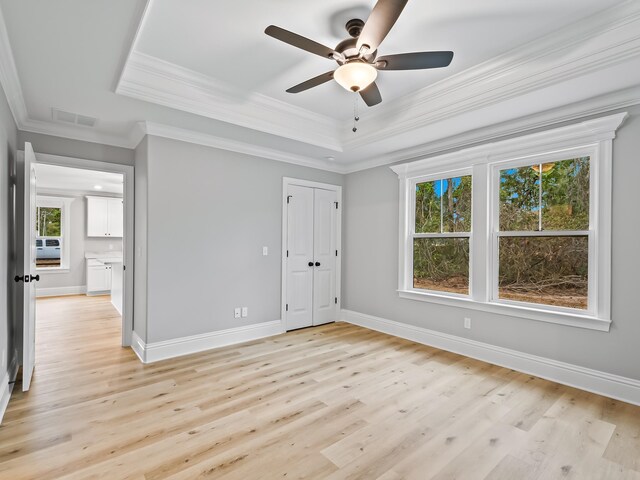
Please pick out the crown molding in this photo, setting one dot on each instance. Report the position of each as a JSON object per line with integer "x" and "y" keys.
{"x": 588, "y": 132}
{"x": 208, "y": 140}
{"x": 572, "y": 112}
{"x": 83, "y": 134}
{"x": 155, "y": 80}
{"x": 597, "y": 42}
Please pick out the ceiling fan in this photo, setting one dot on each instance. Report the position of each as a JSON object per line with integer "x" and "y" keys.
{"x": 358, "y": 63}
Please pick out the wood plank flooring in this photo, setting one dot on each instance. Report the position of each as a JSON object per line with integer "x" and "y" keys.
{"x": 333, "y": 402}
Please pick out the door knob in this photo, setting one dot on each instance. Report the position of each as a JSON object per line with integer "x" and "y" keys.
{"x": 317, "y": 264}
{"x": 26, "y": 278}
{"x": 310, "y": 264}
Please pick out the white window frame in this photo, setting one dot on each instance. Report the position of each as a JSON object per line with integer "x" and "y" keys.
{"x": 64, "y": 204}
{"x": 592, "y": 138}
{"x": 413, "y": 235}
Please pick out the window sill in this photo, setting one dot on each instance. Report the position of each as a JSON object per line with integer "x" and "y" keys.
{"x": 560, "y": 318}
{"x": 53, "y": 270}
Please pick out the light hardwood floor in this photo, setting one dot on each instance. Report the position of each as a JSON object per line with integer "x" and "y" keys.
{"x": 334, "y": 402}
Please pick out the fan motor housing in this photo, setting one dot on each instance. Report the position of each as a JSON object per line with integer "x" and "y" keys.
{"x": 348, "y": 47}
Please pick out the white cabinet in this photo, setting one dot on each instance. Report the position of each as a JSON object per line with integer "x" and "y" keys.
{"x": 105, "y": 217}
{"x": 98, "y": 277}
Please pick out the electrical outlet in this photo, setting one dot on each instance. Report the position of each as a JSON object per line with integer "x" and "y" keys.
{"x": 467, "y": 322}
{"x": 265, "y": 251}
{"x": 236, "y": 312}
{"x": 245, "y": 311}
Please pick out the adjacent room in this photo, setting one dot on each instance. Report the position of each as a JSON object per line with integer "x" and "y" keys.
{"x": 381, "y": 239}
{"x": 79, "y": 244}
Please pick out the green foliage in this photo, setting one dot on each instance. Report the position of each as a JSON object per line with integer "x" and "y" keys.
{"x": 552, "y": 196}
{"x": 443, "y": 206}
{"x": 559, "y": 202}
{"x": 49, "y": 221}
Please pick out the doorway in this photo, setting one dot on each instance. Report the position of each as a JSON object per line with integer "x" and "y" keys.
{"x": 77, "y": 234}
{"x": 311, "y": 253}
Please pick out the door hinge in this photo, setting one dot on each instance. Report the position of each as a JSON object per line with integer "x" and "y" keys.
{"x": 124, "y": 267}
{"x": 287, "y": 307}
{"x": 287, "y": 253}
{"x": 336, "y": 300}
{"x": 336, "y": 253}
{"x": 336, "y": 205}
{"x": 289, "y": 198}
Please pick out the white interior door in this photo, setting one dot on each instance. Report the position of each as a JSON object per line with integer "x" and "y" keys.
{"x": 324, "y": 255}
{"x": 29, "y": 274}
{"x": 311, "y": 262}
{"x": 299, "y": 271}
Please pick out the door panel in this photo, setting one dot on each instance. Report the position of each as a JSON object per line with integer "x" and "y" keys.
{"x": 325, "y": 241}
{"x": 29, "y": 267}
{"x": 115, "y": 217}
{"x": 299, "y": 283}
{"x": 97, "y": 217}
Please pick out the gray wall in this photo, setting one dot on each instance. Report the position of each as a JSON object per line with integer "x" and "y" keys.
{"x": 8, "y": 142}
{"x": 140, "y": 238}
{"x": 67, "y": 147}
{"x": 80, "y": 243}
{"x": 209, "y": 214}
{"x": 370, "y": 273}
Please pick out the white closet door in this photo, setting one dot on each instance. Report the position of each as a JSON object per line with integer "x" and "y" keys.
{"x": 300, "y": 247}
{"x": 324, "y": 270}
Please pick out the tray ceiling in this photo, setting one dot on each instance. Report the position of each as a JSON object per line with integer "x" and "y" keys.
{"x": 205, "y": 71}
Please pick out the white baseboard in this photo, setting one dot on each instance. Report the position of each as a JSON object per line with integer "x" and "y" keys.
{"x": 595, "y": 381}
{"x": 153, "y": 352}
{"x": 60, "y": 291}
{"x": 5, "y": 387}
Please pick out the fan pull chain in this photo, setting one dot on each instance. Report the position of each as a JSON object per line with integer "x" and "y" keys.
{"x": 356, "y": 117}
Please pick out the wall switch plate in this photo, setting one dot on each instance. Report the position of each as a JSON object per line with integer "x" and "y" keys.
{"x": 467, "y": 322}
{"x": 236, "y": 313}
{"x": 245, "y": 311}
{"x": 265, "y": 251}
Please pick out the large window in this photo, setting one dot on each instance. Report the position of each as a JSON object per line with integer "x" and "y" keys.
{"x": 520, "y": 227}
{"x": 52, "y": 232}
{"x": 441, "y": 236}
{"x": 543, "y": 236}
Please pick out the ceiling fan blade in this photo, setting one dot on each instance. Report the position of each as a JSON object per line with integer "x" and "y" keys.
{"x": 313, "y": 82}
{"x": 382, "y": 18}
{"x": 414, "y": 61}
{"x": 371, "y": 95}
{"x": 299, "y": 41}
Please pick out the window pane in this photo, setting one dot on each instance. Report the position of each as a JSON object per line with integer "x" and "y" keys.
{"x": 544, "y": 270}
{"x": 49, "y": 222}
{"x": 548, "y": 196}
{"x": 441, "y": 264}
{"x": 444, "y": 206}
{"x": 428, "y": 195}
{"x": 519, "y": 199}
{"x": 48, "y": 253}
{"x": 565, "y": 195}
{"x": 456, "y": 204}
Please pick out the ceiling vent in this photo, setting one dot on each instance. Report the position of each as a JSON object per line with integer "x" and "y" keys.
{"x": 74, "y": 118}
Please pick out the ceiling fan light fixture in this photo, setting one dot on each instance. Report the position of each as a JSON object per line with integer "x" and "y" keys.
{"x": 355, "y": 76}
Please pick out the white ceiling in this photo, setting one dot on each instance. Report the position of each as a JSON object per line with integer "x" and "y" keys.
{"x": 225, "y": 40}
{"x": 212, "y": 71}
{"x": 54, "y": 178}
